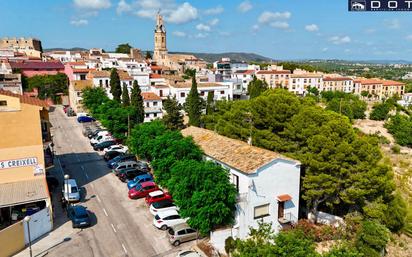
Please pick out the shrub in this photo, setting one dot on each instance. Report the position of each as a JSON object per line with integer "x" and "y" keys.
{"x": 396, "y": 149}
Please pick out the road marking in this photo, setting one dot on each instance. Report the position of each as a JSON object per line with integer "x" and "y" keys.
{"x": 124, "y": 249}
{"x": 113, "y": 228}
{"x": 105, "y": 213}
{"x": 87, "y": 176}
{"x": 98, "y": 198}
{"x": 82, "y": 167}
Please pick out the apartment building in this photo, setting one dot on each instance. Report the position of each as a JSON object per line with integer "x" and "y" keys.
{"x": 299, "y": 83}
{"x": 152, "y": 106}
{"x": 31, "y": 47}
{"x": 342, "y": 84}
{"x": 275, "y": 78}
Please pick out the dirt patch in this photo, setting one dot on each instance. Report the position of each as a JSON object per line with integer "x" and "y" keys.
{"x": 374, "y": 127}
{"x": 400, "y": 246}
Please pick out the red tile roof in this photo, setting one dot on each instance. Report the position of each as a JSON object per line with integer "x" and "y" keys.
{"x": 155, "y": 67}
{"x": 25, "y": 99}
{"x": 370, "y": 81}
{"x": 155, "y": 76}
{"x": 30, "y": 65}
{"x": 392, "y": 83}
{"x": 81, "y": 70}
{"x": 245, "y": 72}
{"x": 274, "y": 72}
{"x": 150, "y": 96}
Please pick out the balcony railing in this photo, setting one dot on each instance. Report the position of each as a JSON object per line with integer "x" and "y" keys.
{"x": 288, "y": 218}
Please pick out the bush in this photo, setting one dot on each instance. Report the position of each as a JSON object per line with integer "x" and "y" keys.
{"x": 380, "y": 111}
{"x": 396, "y": 149}
{"x": 372, "y": 238}
{"x": 400, "y": 127}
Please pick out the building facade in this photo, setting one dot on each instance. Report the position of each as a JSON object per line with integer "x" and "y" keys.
{"x": 29, "y": 46}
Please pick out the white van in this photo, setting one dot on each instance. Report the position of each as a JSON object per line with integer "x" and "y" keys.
{"x": 100, "y": 138}
{"x": 70, "y": 191}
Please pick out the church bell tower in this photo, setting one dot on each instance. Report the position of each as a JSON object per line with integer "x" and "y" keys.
{"x": 160, "y": 50}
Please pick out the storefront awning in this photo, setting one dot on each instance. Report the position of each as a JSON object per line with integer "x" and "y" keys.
{"x": 284, "y": 198}
{"x": 22, "y": 192}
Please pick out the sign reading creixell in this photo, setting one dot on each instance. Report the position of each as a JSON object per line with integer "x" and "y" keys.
{"x": 380, "y": 5}
{"x": 31, "y": 161}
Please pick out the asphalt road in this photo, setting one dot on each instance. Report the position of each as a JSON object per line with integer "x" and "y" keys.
{"x": 122, "y": 227}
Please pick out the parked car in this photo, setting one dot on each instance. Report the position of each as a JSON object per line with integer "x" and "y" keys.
{"x": 102, "y": 145}
{"x": 141, "y": 190}
{"x": 121, "y": 158}
{"x": 129, "y": 174}
{"x": 95, "y": 132}
{"x": 188, "y": 253}
{"x": 157, "y": 196}
{"x": 100, "y": 138}
{"x": 117, "y": 148}
{"x": 79, "y": 216}
{"x": 70, "y": 191}
{"x": 82, "y": 119}
{"x": 111, "y": 154}
{"x": 117, "y": 169}
{"x": 164, "y": 220}
{"x": 181, "y": 233}
{"x": 139, "y": 179}
{"x": 160, "y": 206}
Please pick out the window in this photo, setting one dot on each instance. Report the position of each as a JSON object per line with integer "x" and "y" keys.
{"x": 235, "y": 181}
{"x": 155, "y": 114}
{"x": 154, "y": 103}
{"x": 222, "y": 92}
{"x": 261, "y": 211}
{"x": 161, "y": 93}
{"x": 3, "y": 103}
{"x": 181, "y": 232}
{"x": 147, "y": 115}
{"x": 100, "y": 83}
{"x": 147, "y": 104}
{"x": 281, "y": 209}
{"x": 182, "y": 94}
{"x": 82, "y": 77}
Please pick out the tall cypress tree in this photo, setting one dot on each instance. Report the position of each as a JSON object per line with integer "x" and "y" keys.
{"x": 136, "y": 102}
{"x": 125, "y": 96}
{"x": 173, "y": 118}
{"x": 209, "y": 103}
{"x": 115, "y": 87}
{"x": 194, "y": 105}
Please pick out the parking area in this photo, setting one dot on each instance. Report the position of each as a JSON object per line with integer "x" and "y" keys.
{"x": 121, "y": 226}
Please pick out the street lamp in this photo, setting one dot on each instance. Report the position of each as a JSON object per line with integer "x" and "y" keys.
{"x": 66, "y": 186}
{"x": 27, "y": 220}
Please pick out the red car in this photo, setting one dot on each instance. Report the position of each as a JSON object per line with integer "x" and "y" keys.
{"x": 157, "y": 196}
{"x": 142, "y": 190}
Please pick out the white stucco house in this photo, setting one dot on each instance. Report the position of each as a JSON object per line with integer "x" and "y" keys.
{"x": 153, "y": 108}
{"x": 222, "y": 91}
{"x": 268, "y": 183}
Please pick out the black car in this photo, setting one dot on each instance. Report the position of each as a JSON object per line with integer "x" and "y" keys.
{"x": 111, "y": 154}
{"x": 102, "y": 145}
{"x": 129, "y": 174}
{"x": 79, "y": 216}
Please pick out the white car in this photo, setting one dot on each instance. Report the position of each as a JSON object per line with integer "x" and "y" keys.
{"x": 162, "y": 206}
{"x": 70, "y": 191}
{"x": 117, "y": 148}
{"x": 100, "y": 139}
{"x": 165, "y": 219}
{"x": 188, "y": 253}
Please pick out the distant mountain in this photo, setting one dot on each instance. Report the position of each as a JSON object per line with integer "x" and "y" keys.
{"x": 239, "y": 57}
{"x": 65, "y": 49}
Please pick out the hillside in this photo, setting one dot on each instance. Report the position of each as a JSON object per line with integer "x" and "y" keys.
{"x": 240, "y": 57}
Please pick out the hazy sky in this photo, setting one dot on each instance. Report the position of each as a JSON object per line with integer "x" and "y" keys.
{"x": 281, "y": 29}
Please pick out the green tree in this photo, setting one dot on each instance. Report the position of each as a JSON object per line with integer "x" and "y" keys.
{"x": 400, "y": 126}
{"x": 313, "y": 91}
{"x": 123, "y": 48}
{"x": 173, "y": 118}
{"x": 194, "y": 105}
{"x": 48, "y": 86}
{"x": 136, "y": 104}
{"x": 189, "y": 73}
{"x": 125, "y": 96}
{"x": 396, "y": 215}
{"x": 142, "y": 135}
{"x": 115, "y": 87}
{"x": 209, "y": 102}
{"x": 343, "y": 251}
{"x": 294, "y": 243}
{"x": 372, "y": 238}
{"x": 380, "y": 111}
{"x": 93, "y": 98}
{"x": 256, "y": 87}
{"x": 203, "y": 192}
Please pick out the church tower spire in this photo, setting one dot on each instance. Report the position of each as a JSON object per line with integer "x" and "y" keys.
{"x": 160, "y": 49}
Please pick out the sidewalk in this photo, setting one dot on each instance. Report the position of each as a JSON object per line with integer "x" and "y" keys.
{"x": 62, "y": 228}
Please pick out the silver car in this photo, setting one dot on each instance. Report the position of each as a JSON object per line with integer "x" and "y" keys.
{"x": 181, "y": 233}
